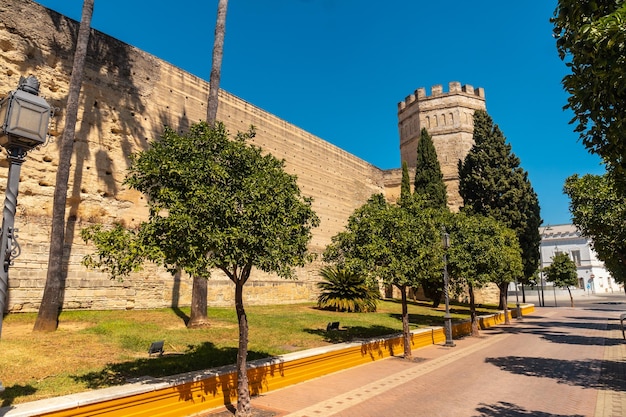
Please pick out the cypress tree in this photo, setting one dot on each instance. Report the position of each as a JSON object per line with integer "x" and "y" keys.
{"x": 492, "y": 183}
{"x": 405, "y": 186}
{"x": 430, "y": 188}
{"x": 428, "y": 177}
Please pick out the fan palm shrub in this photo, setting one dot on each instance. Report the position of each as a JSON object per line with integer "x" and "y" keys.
{"x": 343, "y": 290}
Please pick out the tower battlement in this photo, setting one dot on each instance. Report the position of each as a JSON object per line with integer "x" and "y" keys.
{"x": 449, "y": 118}
{"x": 436, "y": 91}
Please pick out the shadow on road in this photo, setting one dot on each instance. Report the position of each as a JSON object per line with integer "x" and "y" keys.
{"x": 504, "y": 409}
{"x": 580, "y": 373}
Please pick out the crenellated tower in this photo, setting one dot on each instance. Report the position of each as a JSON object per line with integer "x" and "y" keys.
{"x": 448, "y": 117}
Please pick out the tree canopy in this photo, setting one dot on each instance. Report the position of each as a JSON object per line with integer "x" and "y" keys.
{"x": 482, "y": 250}
{"x": 591, "y": 39}
{"x": 562, "y": 273}
{"x": 599, "y": 210}
{"x": 218, "y": 203}
{"x": 396, "y": 244}
{"x": 492, "y": 183}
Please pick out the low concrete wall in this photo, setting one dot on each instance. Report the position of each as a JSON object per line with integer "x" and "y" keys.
{"x": 196, "y": 392}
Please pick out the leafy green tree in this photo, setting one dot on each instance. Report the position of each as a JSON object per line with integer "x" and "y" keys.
{"x": 430, "y": 187}
{"x": 428, "y": 177}
{"x": 591, "y": 40}
{"x": 392, "y": 243}
{"x": 562, "y": 273}
{"x": 493, "y": 184}
{"x": 52, "y": 300}
{"x": 598, "y": 211}
{"x": 218, "y": 203}
{"x": 482, "y": 250}
{"x": 343, "y": 290}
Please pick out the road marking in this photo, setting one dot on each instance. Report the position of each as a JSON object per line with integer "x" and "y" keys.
{"x": 351, "y": 398}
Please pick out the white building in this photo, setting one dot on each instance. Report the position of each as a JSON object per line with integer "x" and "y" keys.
{"x": 592, "y": 276}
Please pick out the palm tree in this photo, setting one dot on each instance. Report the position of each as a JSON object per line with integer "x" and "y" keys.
{"x": 198, "y": 316}
{"x": 51, "y": 303}
{"x": 343, "y": 290}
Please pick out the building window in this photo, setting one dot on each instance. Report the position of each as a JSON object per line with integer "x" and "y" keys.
{"x": 576, "y": 257}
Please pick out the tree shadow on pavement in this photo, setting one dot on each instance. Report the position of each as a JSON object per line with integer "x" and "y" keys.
{"x": 504, "y": 409}
{"x": 575, "y": 372}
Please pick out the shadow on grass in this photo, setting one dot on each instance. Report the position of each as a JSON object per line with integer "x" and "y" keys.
{"x": 350, "y": 333}
{"x": 9, "y": 394}
{"x": 420, "y": 319}
{"x": 181, "y": 314}
{"x": 197, "y": 358}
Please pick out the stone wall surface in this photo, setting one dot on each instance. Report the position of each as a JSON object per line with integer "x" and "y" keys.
{"x": 126, "y": 98}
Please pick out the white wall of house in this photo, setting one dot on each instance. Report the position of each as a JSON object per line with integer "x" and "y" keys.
{"x": 592, "y": 276}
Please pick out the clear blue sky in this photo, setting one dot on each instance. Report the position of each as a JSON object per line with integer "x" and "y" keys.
{"x": 338, "y": 68}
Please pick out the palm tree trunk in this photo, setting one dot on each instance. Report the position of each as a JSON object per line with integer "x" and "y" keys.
{"x": 52, "y": 301}
{"x": 199, "y": 290}
{"x": 198, "y": 317}
{"x": 216, "y": 67}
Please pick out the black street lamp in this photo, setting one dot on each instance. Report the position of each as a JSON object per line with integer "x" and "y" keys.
{"x": 447, "y": 318}
{"x": 24, "y": 118}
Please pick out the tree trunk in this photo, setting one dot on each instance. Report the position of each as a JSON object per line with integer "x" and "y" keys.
{"x": 52, "y": 301}
{"x": 244, "y": 408}
{"x": 523, "y": 294}
{"x": 504, "y": 301}
{"x": 199, "y": 316}
{"x": 406, "y": 332}
{"x": 571, "y": 297}
{"x": 216, "y": 67}
{"x": 473, "y": 315}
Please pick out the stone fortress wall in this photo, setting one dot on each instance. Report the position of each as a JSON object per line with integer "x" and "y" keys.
{"x": 127, "y": 96}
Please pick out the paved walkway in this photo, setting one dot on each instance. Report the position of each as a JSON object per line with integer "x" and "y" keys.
{"x": 557, "y": 362}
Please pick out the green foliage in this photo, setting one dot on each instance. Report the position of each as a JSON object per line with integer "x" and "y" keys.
{"x": 562, "y": 271}
{"x": 591, "y": 39}
{"x": 493, "y": 184}
{"x": 119, "y": 251}
{"x": 482, "y": 250}
{"x": 428, "y": 177}
{"x": 343, "y": 290}
{"x": 599, "y": 210}
{"x": 395, "y": 244}
{"x": 215, "y": 202}
{"x": 405, "y": 186}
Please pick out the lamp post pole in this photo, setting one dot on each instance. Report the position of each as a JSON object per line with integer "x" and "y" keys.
{"x": 9, "y": 248}
{"x": 447, "y": 318}
{"x": 24, "y": 120}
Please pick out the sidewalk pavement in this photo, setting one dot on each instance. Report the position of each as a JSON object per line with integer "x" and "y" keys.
{"x": 556, "y": 362}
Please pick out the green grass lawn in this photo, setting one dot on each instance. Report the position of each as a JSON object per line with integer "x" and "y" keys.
{"x": 95, "y": 349}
